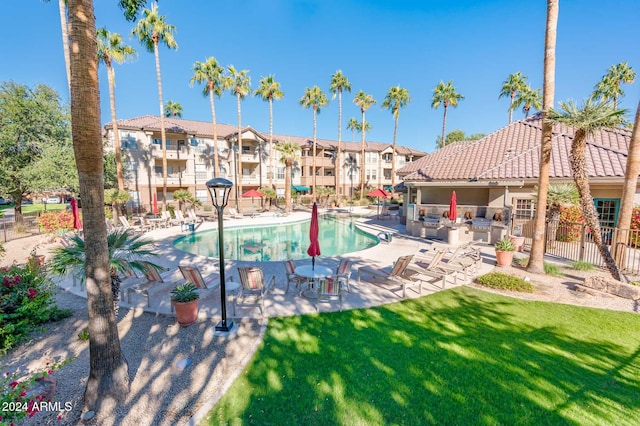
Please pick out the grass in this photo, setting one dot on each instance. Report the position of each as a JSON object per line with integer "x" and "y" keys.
{"x": 580, "y": 265}
{"x": 551, "y": 269}
{"x": 461, "y": 356}
{"x": 37, "y": 207}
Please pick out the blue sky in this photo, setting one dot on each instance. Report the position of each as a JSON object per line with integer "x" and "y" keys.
{"x": 377, "y": 44}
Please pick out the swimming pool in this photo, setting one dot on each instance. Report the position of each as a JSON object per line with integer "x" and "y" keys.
{"x": 279, "y": 242}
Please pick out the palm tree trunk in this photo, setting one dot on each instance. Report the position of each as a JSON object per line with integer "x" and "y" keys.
{"x": 536, "y": 258}
{"x": 444, "y": 125}
{"x": 163, "y": 134}
{"x": 393, "y": 156}
{"x": 628, "y": 192}
{"x": 216, "y": 163}
{"x": 239, "y": 177}
{"x": 116, "y": 133}
{"x": 270, "y": 143}
{"x": 313, "y": 161}
{"x": 337, "y": 162}
{"x": 362, "y": 162}
{"x": 65, "y": 39}
{"x": 108, "y": 373}
{"x": 578, "y": 159}
{"x": 513, "y": 95}
{"x": 287, "y": 186}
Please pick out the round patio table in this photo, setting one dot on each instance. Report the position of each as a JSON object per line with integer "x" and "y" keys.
{"x": 312, "y": 275}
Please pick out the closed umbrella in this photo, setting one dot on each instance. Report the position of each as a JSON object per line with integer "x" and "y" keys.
{"x": 453, "y": 207}
{"x": 77, "y": 224}
{"x": 314, "y": 228}
{"x": 378, "y": 193}
{"x": 155, "y": 203}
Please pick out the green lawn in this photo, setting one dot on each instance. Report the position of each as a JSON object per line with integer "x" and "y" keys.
{"x": 36, "y": 207}
{"x": 462, "y": 356}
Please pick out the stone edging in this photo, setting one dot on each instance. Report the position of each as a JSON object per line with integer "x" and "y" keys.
{"x": 608, "y": 285}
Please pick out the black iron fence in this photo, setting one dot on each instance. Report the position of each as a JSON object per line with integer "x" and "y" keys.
{"x": 574, "y": 241}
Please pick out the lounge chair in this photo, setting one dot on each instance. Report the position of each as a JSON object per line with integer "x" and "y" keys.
{"x": 328, "y": 289}
{"x": 128, "y": 227}
{"x": 191, "y": 214}
{"x": 254, "y": 288}
{"x": 397, "y": 274}
{"x": 233, "y": 214}
{"x": 192, "y": 275}
{"x": 435, "y": 268}
{"x": 153, "y": 278}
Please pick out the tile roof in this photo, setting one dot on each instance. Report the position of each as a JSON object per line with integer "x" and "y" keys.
{"x": 205, "y": 129}
{"x": 513, "y": 152}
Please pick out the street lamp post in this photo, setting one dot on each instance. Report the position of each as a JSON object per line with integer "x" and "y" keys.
{"x": 219, "y": 189}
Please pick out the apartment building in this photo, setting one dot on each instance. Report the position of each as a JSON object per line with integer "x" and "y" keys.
{"x": 191, "y": 156}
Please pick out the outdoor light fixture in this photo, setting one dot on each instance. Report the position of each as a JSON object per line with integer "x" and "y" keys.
{"x": 220, "y": 188}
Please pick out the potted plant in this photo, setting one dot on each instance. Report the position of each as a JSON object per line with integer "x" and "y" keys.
{"x": 184, "y": 298}
{"x": 504, "y": 252}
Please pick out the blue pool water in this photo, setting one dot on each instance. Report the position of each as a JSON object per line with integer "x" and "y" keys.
{"x": 279, "y": 242}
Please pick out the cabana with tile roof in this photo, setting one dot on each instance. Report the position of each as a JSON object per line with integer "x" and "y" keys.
{"x": 498, "y": 173}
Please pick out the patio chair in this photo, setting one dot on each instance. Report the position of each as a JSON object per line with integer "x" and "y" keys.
{"x": 254, "y": 289}
{"x": 193, "y": 276}
{"x": 343, "y": 274}
{"x": 292, "y": 277}
{"x": 153, "y": 278}
{"x": 328, "y": 289}
{"x": 191, "y": 213}
{"x": 128, "y": 227}
{"x": 233, "y": 214}
{"x": 436, "y": 268}
{"x": 397, "y": 274}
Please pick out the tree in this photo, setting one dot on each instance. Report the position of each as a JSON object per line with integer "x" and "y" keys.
{"x": 339, "y": 83}
{"x": 151, "y": 31}
{"x": 35, "y": 142}
{"x": 559, "y": 195}
{"x": 364, "y": 101}
{"x": 457, "y": 136}
{"x": 182, "y": 196}
{"x": 111, "y": 49}
{"x": 173, "y": 109}
{"x": 127, "y": 254}
{"x": 445, "y": 95}
{"x": 355, "y": 126}
{"x": 628, "y": 190}
{"x": 289, "y": 154}
{"x": 511, "y": 87}
{"x": 351, "y": 164}
{"x": 587, "y": 119}
{"x": 536, "y": 259}
{"x": 528, "y": 98}
{"x": 609, "y": 87}
{"x": 315, "y": 99}
{"x": 108, "y": 371}
{"x": 240, "y": 84}
{"x": 396, "y": 98}
{"x": 211, "y": 73}
{"x": 269, "y": 90}
{"x": 117, "y": 198}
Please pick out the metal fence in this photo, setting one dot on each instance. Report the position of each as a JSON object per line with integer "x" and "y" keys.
{"x": 574, "y": 241}
{"x": 12, "y": 230}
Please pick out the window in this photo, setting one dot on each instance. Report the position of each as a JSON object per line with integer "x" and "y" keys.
{"x": 371, "y": 174}
{"x": 181, "y": 143}
{"x": 202, "y": 195}
{"x": 371, "y": 157}
{"x": 401, "y": 160}
{"x": 607, "y": 209}
{"x": 201, "y": 172}
{"x": 134, "y": 199}
{"x": 281, "y": 171}
{"x": 128, "y": 140}
{"x": 156, "y": 141}
{"x": 525, "y": 209}
{"x": 131, "y": 169}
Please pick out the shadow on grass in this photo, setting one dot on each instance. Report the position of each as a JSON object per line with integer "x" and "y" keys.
{"x": 461, "y": 356}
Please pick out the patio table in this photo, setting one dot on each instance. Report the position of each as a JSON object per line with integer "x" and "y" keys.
{"x": 312, "y": 275}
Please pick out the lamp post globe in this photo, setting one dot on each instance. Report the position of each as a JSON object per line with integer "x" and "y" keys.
{"x": 219, "y": 189}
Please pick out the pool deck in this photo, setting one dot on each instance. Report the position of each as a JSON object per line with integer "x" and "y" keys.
{"x": 363, "y": 294}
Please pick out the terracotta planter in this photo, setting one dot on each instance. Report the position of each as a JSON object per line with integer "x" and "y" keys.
{"x": 186, "y": 312}
{"x": 517, "y": 241}
{"x": 504, "y": 258}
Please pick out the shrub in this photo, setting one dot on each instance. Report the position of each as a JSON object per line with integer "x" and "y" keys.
{"x": 56, "y": 221}
{"x": 505, "y": 282}
{"x": 522, "y": 261}
{"x": 581, "y": 265}
{"x": 505, "y": 244}
{"x": 550, "y": 269}
{"x": 26, "y": 301}
{"x": 570, "y": 224}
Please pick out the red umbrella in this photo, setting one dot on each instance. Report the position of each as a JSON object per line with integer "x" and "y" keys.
{"x": 155, "y": 203}
{"x": 253, "y": 193}
{"x": 77, "y": 224}
{"x": 452, "y": 207}
{"x": 378, "y": 193}
{"x": 314, "y": 228}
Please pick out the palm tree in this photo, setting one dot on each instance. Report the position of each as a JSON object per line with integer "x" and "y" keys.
{"x": 559, "y": 195}
{"x": 587, "y": 119}
{"x": 339, "y": 83}
{"x": 127, "y": 254}
{"x": 289, "y": 154}
{"x": 628, "y": 191}
{"x": 364, "y": 101}
{"x": 536, "y": 258}
{"x": 117, "y": 198}
{"x": 315, "y": 99}
{"x": 396, "y": 98}
{"x": 528, "y": 98}
{"x": 511, "y": 87}
{"x": 211, "y": 73}
{"x": 446, "y": 95}
{"x": 351, "y": 164}
{"x": 108, "y": 369}
{"x": 269, "y": 90}
{"x": 150, "y": 31}
{"x": 240, "y": 85}
{"x": 609, "y": 87}
{"x": 173, "y": 109}
{"x": 111, "y": 49}
{"x": 353, "y": 124}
